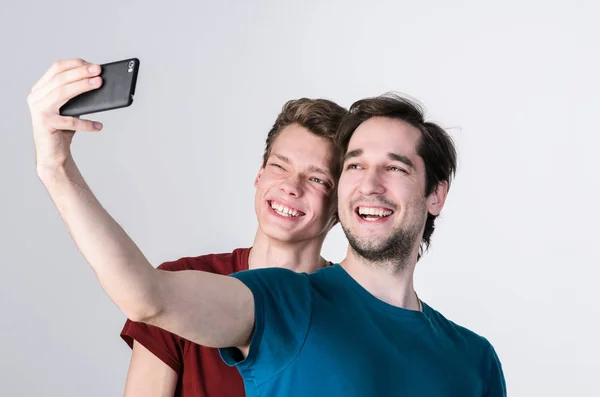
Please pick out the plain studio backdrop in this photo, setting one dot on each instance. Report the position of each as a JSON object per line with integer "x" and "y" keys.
{"x": 514, "y": 256}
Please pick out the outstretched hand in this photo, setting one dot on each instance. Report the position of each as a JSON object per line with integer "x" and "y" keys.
{"x": 52, "y": 132}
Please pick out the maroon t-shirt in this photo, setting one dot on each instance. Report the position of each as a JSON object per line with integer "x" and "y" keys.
{"x": 200, "y": 370}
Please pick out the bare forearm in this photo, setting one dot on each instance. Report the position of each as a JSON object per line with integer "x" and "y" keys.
{"x": 125, "y": 274}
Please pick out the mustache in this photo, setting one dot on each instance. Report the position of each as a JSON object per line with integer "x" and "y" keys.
{"x": 374, "y": 201}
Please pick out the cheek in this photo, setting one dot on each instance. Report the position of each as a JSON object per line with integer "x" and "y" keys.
{"x": 266, "y": 182}
{"x": 417, "y": 206}
{"x": 403, "y": 189}
{"x": 260, "y": 191}
{"x": 321, "y": 203}
{"x": 345, "y": 186}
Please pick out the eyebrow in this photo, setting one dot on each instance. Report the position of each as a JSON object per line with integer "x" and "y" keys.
{"x": 401, "y": 158}
{"x": 311, "y": 168}
{"x": 392, "y": 156}
{"x": 353, "y": 153}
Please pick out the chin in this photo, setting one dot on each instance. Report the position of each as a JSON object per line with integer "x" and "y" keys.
{"x": 278, "y": 233}
{"x": 373, "y": 244}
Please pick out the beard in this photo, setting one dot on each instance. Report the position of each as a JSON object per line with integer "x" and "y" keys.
{"x": 395, "y": 250}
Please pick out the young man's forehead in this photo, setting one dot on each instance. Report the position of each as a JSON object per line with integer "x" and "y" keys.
{"x": 385, "y": 132}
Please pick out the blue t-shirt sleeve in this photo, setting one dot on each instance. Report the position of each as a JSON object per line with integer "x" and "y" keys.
{"x": 282, "y": 306}
{"x": 496, "y": 384}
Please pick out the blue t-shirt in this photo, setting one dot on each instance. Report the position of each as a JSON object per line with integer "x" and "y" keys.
{"x": 323, "y": 334}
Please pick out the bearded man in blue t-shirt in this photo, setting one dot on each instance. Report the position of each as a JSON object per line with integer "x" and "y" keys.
{"x": 358, "y": 328}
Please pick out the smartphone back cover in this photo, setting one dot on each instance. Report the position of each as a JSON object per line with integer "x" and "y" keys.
{"x": 117, "y": 90}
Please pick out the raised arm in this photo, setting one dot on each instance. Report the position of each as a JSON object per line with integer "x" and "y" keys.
{"x": 208, "y": 309}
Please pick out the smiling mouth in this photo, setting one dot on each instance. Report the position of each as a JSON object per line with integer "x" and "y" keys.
{"x": 284, "y": 211}
{"x": 373, "y": 213}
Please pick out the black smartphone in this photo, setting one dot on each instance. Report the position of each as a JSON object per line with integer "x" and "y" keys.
{"x": 118, "y": 87}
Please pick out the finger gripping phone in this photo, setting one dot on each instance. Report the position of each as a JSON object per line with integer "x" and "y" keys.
{"x": 118, "y": 87}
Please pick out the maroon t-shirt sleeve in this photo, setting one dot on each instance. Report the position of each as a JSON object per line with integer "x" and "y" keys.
{"x": 168, "y": 347}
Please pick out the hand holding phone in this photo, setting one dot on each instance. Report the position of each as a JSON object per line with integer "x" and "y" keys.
{"x": 118, "y": 87}
{"x": 70, "y": 88}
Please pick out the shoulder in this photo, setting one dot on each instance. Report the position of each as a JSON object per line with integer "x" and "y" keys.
{"x": 461, "y": 335}
{"x": 219, "y": 263}
{"x": 479, "y": 352}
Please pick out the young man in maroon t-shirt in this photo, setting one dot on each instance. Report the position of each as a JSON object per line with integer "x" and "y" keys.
{"x": 295, "y": 207}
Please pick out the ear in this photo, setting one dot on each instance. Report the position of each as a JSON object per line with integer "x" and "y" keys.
{"x": 437, "y": 198}
{"x": 260, "y": 172}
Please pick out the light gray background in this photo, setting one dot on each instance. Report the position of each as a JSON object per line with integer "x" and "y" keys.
{"x": 515, "y": 253}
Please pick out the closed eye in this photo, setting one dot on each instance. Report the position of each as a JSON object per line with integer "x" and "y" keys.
{"x": 353, "y": 167}
{"x": 393, "y": 168}
{"x": 277, "y": 166}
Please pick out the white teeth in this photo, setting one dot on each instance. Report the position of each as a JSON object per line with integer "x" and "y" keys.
{"x": 284, "y": 211}
{"x": 373, "y": 211}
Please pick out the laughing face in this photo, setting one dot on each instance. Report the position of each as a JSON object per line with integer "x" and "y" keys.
{"x": 382, "y": 203}
{"x": 295, "y": 190}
